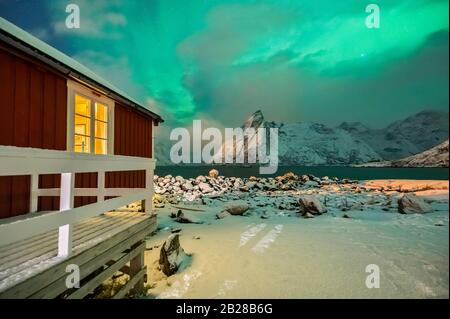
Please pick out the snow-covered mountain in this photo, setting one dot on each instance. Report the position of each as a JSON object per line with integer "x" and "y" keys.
{"x": 306, "y": 143}
{"x": 309, "y": 143}
{"x": 434, "y": 157}
{"x": 406, "y": 137}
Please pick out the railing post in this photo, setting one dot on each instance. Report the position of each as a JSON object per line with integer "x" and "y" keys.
{"x": 66, "y": 203}
{"x": 100, "y": 186}
{"x": 34, "y": 187}
{"x": 148, "y": 202}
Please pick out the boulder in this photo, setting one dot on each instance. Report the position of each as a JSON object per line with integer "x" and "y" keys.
{"x": 213, "y": 173}
{"x": 237, "y": 207}
{"x": 187, "y": 186}
{"x": 200, "y": 179}
{"x": 310, "y": 204}
{"x": 412, "y": 204}
{"x": 205, "y": 187}
{"x": 171, "y": 255}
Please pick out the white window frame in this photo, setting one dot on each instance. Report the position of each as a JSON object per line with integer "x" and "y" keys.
{"x": 75, "y": 88}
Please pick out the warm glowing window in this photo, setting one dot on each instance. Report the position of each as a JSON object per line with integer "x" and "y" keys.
{"x": 91, "y": 126}
{"x": 101, "y": 128}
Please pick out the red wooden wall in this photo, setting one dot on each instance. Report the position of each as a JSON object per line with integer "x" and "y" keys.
{"x": 33, "y": 114}
{"x": 33, "y": 104}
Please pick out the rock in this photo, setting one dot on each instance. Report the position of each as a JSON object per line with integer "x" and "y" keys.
{"x": 237, "y": 207}
{"x": 157, "y": 198}
{"x": 159, "y": 205}
{"x": 205, "y": 187}
{"x": 412, "y": 204}
{"x": 183, "y": 219}
{"x": 311, "y": 184}
{"x": 440, "y": 223}
{"x": 222, "y": 214}
{"x": 200, "y": 179}
{"x": 179, "y": 179}
{"x": 176, "y": 230}
{"x": 213, "y": 173}
{"x": 345, "y": 216}
{"x": 308, "y": 215}
{"x": 187, "y": 186}
{"x": 310, "y": 204}
{"x": 171, "y": 255}
{"x": 195, "y": 237}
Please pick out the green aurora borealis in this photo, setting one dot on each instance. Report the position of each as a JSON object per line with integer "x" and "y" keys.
{"x": 222, "y": 60}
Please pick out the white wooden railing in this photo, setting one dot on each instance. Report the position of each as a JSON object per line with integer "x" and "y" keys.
{"x": 16, "y": 161}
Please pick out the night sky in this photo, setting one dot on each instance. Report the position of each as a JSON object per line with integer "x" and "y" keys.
{"x": 222, "y": 60}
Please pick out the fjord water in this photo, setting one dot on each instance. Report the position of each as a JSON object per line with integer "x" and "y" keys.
{"x": 357, "y": 173}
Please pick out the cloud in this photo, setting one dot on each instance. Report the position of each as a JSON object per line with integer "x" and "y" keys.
{"x": 316, "y": 68}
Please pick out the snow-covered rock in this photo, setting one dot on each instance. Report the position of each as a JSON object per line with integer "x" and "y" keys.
{"x": 171, "y": 255}
{"x": 312, "y": 205}
{"x": 237, "y": 207}
{"x": 412, "y": 204}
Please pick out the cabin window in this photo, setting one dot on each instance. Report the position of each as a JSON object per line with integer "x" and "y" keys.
{"x": 91, "y": 126}
{"x": 91, "y": 118}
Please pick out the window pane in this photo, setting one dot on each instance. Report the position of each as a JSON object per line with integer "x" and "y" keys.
{"x": 101, "y": 112}
{"x": 82, "y": 144}
{"x": 100, "y": 146}
{"x": 101, "y": 129}
{"x": 82, "y": 106}
{"x": 82, "y": 125}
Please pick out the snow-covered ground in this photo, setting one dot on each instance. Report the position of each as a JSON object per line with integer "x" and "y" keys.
{"x": 286, "y": 256}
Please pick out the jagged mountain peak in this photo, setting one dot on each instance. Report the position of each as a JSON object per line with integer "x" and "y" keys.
{"x": 256, "y": 120}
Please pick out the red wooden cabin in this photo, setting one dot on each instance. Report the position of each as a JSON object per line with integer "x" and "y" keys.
{"x": 50, "y": 101}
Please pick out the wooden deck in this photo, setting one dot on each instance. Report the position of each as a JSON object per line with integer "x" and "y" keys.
{"x": 102, "y": 245}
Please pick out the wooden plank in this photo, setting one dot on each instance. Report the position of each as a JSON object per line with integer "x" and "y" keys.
{"x": 48, "y": 246}
{"x": 136, "y": 265}
{"x": 57, "y": 287}
{"x": 5, "y": 196}
{"x": 61, "y": 114}
{"x": 107, "y": 273}
{"x": 41, "y": 279}
{"x": 44, "y": 237}
{"x": 66, "y": 204}
{"x": 49, "y": 112}
{"x": 34, "y": 184}
{"x": 19, "y": 262}
{"x": 12, "y": 232}
{"x": 20, "y": 195}
{"x": 36, "y": 107}
{"x": 133, "y": 281}
{"x": 21, "y": 104}
{"x": 16, "y": 161}
{"x": 7, "y": 80}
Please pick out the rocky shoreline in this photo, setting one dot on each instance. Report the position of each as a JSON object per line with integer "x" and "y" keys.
{"x": 289, "y": 195}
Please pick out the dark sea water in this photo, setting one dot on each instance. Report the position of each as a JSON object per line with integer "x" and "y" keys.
{"x": 358, "y": 173}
